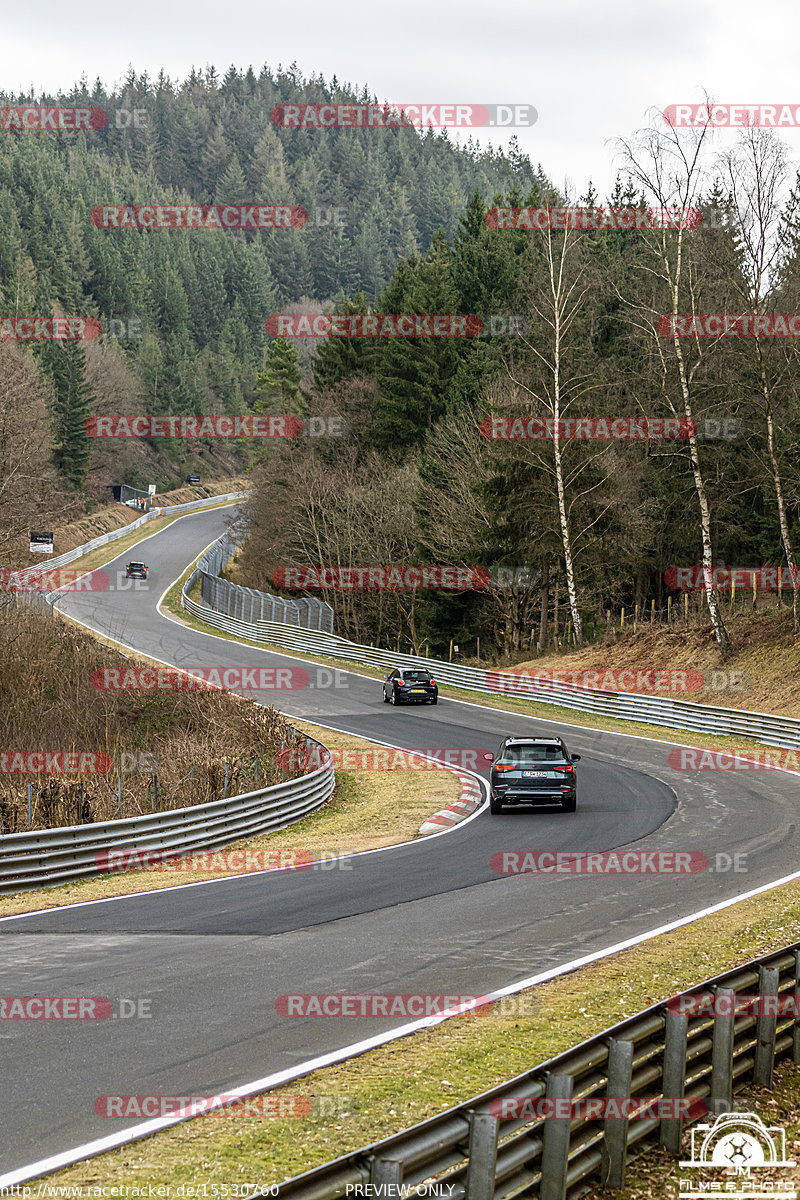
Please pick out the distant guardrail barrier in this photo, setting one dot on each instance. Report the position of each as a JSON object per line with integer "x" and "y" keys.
{"x": 468, "y": 1153}
{"x": 766, "y": 728}
{"x": 249, "y": 604}
{"x": 49, "y": 857}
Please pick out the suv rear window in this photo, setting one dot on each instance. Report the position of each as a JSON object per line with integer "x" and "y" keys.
{"x": 133, "y": 564}
{"x": 530, "y": 754}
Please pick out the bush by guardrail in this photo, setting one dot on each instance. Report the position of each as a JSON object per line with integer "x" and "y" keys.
{"x": 670, "y": 1050}
{"x": 53, "y": 856}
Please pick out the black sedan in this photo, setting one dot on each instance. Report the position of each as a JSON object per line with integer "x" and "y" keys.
{"x": 410, "y": 686}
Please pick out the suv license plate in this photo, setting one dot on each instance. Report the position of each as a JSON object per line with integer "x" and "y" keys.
{"x": 534, "y": 774}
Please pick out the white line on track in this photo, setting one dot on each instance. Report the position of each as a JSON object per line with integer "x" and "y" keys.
{"x": 134, "y": 1132}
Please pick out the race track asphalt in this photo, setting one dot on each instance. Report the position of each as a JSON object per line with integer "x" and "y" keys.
{"x": 431, "y": 916}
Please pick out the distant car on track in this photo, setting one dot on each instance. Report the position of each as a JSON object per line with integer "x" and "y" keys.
{"x": 136, "y": 570}
{"x": 192, "y": 478}
{"x": 411, "y": 685}
{"x": 534, "y": 770}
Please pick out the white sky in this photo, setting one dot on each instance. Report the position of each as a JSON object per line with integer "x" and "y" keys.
{"x": 591, "y": 69}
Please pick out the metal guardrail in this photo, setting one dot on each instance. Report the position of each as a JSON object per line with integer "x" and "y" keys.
{"x": 249, "y": 604}
{"x": 659, "y": 1052}
{"x": 766, "y": 728}
{"x": 49, "y": 857}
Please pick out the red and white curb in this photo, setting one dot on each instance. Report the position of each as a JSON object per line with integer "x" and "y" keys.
{"x": 471, "y": 798}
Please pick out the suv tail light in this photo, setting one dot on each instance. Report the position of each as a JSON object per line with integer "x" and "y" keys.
{"x": 508, "y": 767}
{"x": 569, "y": 767}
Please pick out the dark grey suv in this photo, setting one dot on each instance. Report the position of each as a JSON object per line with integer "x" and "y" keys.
{"x": 534, "y": 770}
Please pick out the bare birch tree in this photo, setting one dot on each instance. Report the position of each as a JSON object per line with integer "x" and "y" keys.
{"x": 757, "y": 178}
{"x": 668, "y": 164}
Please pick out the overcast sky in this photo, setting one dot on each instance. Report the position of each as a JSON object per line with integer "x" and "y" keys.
{"x": 591, "y": 69}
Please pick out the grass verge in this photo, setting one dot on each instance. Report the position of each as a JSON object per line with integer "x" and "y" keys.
{"x": 387, "y": 1089}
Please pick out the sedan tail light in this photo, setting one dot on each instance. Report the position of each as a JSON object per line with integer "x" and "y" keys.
{"x": 566, "y": 768}
{"x": 510, "y": 767}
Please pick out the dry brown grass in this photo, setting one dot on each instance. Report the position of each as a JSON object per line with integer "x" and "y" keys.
{"x": 49, "y": 703}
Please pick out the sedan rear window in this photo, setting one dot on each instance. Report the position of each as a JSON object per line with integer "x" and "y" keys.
{"x": 530, "y": 754}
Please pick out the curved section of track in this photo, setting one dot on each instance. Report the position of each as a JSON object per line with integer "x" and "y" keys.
{"x": 428, "y": 916}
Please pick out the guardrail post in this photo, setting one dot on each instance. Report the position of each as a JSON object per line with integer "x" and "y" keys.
{"x": 673, "y": 1078}
{"x": 387, "y": 1176}
{"x": 766, "y": 1024}
{"x": 555, "y": 1142}
{"x": 482, "y": 1156}
{"x": 796, "y": 1029}
{"x": 615, "y": 1131}
{"x": 721, "y": 1096}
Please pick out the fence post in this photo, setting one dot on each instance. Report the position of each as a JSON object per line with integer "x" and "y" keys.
{"x": 766, "y": 1024}
{"x": 191, "y": 780}
{"x": 555, "y": 1142}
{"x": 119, "y": 795}
{"x": 673, "y": 1079}
{"x": 722, "y": 1053}
{"x": 30, "y": 806}
{"x": 155, "y": 793}
{"x": 482, "y": 1156}
{"x": 615, "y": 1131}
{"x": 225, "y": 788}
